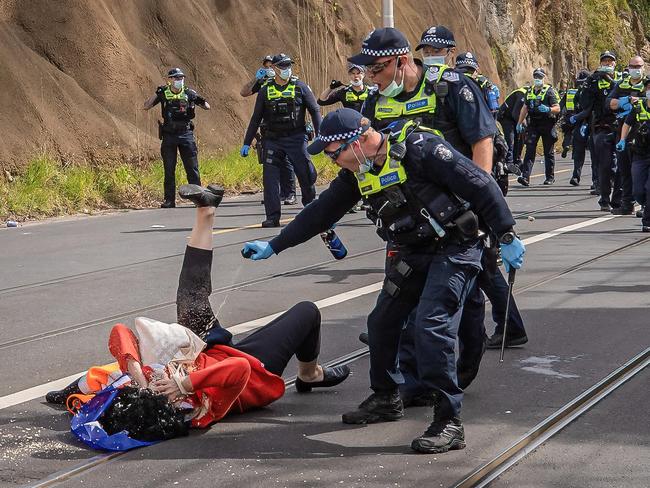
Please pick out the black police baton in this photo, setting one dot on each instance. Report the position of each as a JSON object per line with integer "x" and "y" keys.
{"x": 511, "y": 284}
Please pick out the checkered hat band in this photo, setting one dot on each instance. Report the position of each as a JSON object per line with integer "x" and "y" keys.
{"x": 437, "y": 40}
{"x": 342, "y": 137}
{"x": 385, "y": 52}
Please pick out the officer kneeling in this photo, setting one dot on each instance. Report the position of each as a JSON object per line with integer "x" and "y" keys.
{"x": 424, "y": 198}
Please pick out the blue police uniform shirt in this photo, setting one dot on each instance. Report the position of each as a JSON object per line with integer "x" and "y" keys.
{"x": 464, "y": 106}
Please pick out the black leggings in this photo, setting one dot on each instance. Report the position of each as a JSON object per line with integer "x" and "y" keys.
{"x": 297, "y": 331}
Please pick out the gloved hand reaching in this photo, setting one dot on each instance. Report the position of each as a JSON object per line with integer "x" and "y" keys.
{"x": 543, "y": 108}
{"x": 244, "y": 150}
{"x": 257, "y": 250}
{"x": 583, "y": 130}
{"x": 520, "y": 128}
{"x": 513, "y": 254}
{"x": 261, "y": 73}
{"x": 573, "y": 120}
{"x": 624, "y": 104}
{"x": 335, "y": 84}
{"x": 620, "y": 145}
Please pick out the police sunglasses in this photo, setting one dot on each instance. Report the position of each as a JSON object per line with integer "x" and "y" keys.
{"x": 378, "y": 67}
{"x": 334, "y": 155}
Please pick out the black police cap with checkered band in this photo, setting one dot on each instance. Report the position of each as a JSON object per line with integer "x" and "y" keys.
{"x": 437, "y": 37}
{"x": 340, "y": 125}
{"x": 466, "y": 60}
{"x": 380, "y": 43}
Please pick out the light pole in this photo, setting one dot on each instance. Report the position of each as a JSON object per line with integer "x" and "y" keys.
{"x": 387, "y": 13}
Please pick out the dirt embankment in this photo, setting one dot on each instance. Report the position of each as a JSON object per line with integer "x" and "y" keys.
{"x": 75, "y": 72}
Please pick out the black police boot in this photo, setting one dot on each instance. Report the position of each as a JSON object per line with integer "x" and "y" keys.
{"x": 495, "y": 341}
{"x": 623, "y": 211}
{"x": 639, "y": 213}
{"x": 168, "y": 204}
{"x": 363, "y": 337}
{"x": 574, "y": 181}
{"x": 331, "y": 377}
{"x": 606, "y": 208}
{"x": 565, "y": 150}
{"x": 290, "y": 200}
{"x": 523, "y": 181}
{"x": 549, "y": 181}
{"x": 271, "y": 223}
{"x": 378, "y": 407}
{"x": 645, "y": 228}
{"x": 513, "y": 169}
{"x": 426, "y": 399}
{"x": 441, "y": 436}
{"x": 59, "y": 397}
{"x": 200, "y": 196}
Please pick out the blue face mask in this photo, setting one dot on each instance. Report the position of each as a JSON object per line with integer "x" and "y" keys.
{"x": 178, "y": 84}
{"x": 606, "y": 69}
{"x": 285, "y": 74}
{"x": 538, "y": 83}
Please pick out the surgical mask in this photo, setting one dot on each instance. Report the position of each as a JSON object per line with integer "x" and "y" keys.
{"x": 270, "y": 73}
{"x": 636, "y": 73}
{"x": 606, "y": 69}
{"x": 431, "y": 60}
{"x": 393, "y": 89}
{"x": 178, "y": 84}
{"x": 365, "y": 165}
{"x": 357, "y": 82}
{"x": 285, "y": 74}
{"x": 538, "y": 83}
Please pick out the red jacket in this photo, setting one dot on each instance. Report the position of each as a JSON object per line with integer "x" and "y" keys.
{"x": 225, "y": 380}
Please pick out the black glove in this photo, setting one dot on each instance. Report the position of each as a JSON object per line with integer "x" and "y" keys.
{"x": 335, "y": 84}
{"x": 160, "y": 90}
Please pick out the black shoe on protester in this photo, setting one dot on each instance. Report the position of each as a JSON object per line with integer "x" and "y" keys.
{"x": 549, "y": 181}
{"x": 270, "y": 223}
{"x": 623, "y": 211}
{"x": 606, "y": 208}
{"x": 495, "y": 341}
{"x": 426, "y": 399}
{"x": 441, "y": 436}
{"x": 201, "y": 197}
{"x": 290, "y": 200}
{"x": 513, "y": 169}
{"x": 378, "y": 407}
{"x": 574, "y": 181}
{"x": 523, "y": 181}
{"x": 363, "y": 337}
{"x": 59, "y": 397}
{"x": 168, "y": 204}
{"x": 331, "y": 377}
{"x": 565, "y": 151}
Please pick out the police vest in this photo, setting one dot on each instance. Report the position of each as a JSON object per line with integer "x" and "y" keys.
{"x": 570, "y": 99}
{"x": 534, "y": 100}
{"x": 354, "y": 97}
{"x": 629, "y": 88}
{"x": 177, "y": 109}
{"x": 641, "y": 139}
{"x": 420, "y": 106}
{"x": 407, "y": 212}
{"x": 282, "y": 108}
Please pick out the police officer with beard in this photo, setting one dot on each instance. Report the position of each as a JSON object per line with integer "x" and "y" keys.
{"x": 425, "y": 198}
{"x": 541, "y": 106}
{"x": 602, "y": 122}
{"x": 282, "y": 104}
{"x": 621, "y": 99}
{"x": 177, "y": 105}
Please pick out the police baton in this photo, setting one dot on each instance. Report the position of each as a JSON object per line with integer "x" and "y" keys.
{"x": 511, "y": 284}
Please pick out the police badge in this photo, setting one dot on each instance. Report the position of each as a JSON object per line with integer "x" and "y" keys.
{"x": 443, "y": 152}
{"x": 467, "y": 94}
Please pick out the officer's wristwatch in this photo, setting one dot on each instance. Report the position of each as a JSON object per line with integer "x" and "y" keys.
{"x": 507, "y": 238}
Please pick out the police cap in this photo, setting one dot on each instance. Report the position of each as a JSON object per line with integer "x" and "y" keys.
{"x": 281, "y": 59}
{"x": 341, "y": 125}
{"x": 267, "y": 58}
{"x": 608, "y": 54}
{"x": 380, "y": 43}
{"x": 466, "y": 60}
{"x": 175, "y": 73}
{"x": 352, "y": 66}
{"x": 539, "y": 73}
{"x": 437, "y": 37}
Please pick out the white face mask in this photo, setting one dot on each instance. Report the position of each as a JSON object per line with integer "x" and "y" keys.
{"x": 394, "y": 89}
{"x": 285, "y": 74}
{"x": 270, "y": 73}
{"x": 606, "y": 69}
{"x": 538, "y": 83}
{"x": 431, "y": 60}
{"x": 357, "y": 82}
{"x": 178, "y": 84}
{"x": 365, "y": 165}
{"x": 636, "y": 73}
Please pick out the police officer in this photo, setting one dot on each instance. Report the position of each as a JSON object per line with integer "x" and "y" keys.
{"x": 282, "y": 104}
{"x": 542, "y": 106}
{"x": 287, "y": 177}
{"x": 636, "y": 132}
{"x": 508, "y": 116}
{"x": 350, "y": 96}
{"x": 410, "y": 179}
{"x": 620, "y": 100}
{"x": 602, "y": 123}
{"x": 468, "y": 64}
{"x": 177, "y": 104}
{"x": 575, "y": 135}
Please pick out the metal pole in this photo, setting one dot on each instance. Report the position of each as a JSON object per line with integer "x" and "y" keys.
{"x": 387, "y": 13}
{"x": 511, "y": 284}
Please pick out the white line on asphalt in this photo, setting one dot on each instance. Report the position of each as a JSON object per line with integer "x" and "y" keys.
{"x": 40, "y": 390}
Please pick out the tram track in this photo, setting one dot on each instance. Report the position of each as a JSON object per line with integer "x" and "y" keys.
{"x": 487, "y": 472}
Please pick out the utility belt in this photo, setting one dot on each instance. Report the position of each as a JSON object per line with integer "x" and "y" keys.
{"x": 174, "y": 127}
{"x": 640, "y": 143}
{"x": 277, "y": 134}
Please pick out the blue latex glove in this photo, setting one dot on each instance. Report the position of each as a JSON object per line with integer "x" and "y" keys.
{"x": 583, "y": 130}
{"x": 512, "y": 254}
{"x": 244, "y": 150}
{"x": 520, "y": 128}
{"x": 573, "y": 120}
{"x": 620, "y": 146}
{"x": 261, "y": 73}
{"x": 544, "y": 108}
{"x": 257, "y": 250}
{"x": 624, "y": 103}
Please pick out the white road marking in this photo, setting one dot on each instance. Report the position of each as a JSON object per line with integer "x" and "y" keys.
{"x": 39, "y": 391}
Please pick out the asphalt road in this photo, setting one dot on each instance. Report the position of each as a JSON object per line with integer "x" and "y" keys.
{"x": 64, "y": 283}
